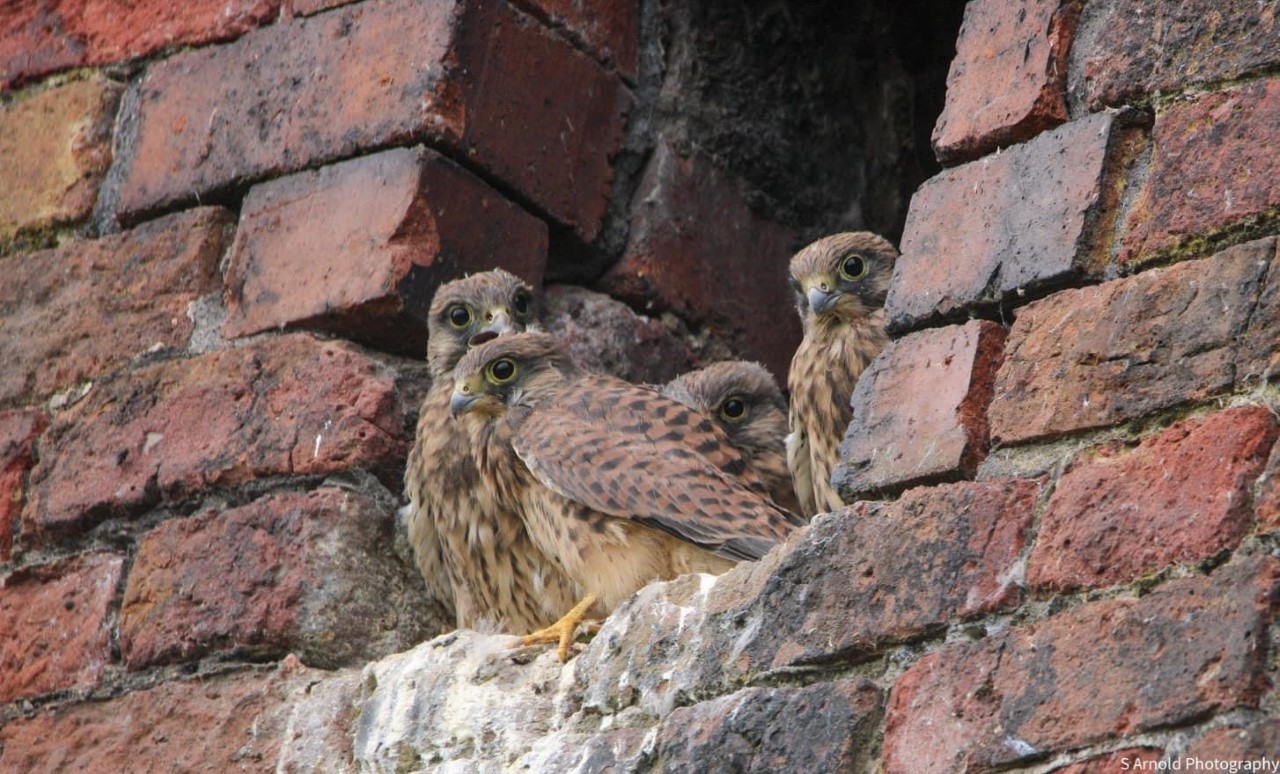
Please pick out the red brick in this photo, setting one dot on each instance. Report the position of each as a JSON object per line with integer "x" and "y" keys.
{"x": 57, "y": 624}
{"x": 359, "y": 248}
{"x": 55, "y": 147}
{"x": 18, "y": 431}
{"x": 1008, "y": 80}
{"x": 607, "y": 29}
{"x": 1131, "y": 759}
{"x": 689, "y": 229}
{"x": 1103, "y": 670}
{"x": 1181, "y": 496}
{"x": 1102, "y": 355}
{"x": 1237, "y": 743}
{"x": 1212, "y": 170}
{"x": 52, "y": 35}
{"x": 822, "y": 727}
{"x": 1268, "y": 495}
{"x": 1259, "y": 357}
{"x": 474, "y": 77}
{"x": 310, "y": 573}
{"x": 920, "y": 410}
{"x": 994, "y": 229}
{"x": 1127, "y": 51}
{"x": 289, "y": 405}
{"x": 87, "y": 308}
{"x": 229, "y": 722}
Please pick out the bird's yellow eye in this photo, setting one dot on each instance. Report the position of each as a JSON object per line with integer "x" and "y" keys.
{"x": 502, "y": 371}
{"x": 853, "y": 267}
{"x": 520, "y": 303}
{"x": 733, "y": 410}
{"x": 459, "y": 315}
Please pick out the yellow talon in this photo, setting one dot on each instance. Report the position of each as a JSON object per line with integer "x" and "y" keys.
{"x": 562, "y": 631}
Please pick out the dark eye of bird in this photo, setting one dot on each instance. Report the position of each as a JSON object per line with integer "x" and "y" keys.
{"x": 733, "y": 409}
{"x": 502, "y": 370}
{"x": 854, "y": 267}
{"x": 459, "y": 316}
{"x": 520, "y": 303}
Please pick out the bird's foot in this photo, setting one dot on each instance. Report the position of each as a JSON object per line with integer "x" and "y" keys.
{"x": 562, "y": 631}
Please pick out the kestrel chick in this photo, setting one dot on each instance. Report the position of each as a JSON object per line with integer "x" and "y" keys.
{"x": 743, "y": 399}
{"x": 475, "y": 557}
{"x": 617, "y": 483}
{"x": 840, "y": 283}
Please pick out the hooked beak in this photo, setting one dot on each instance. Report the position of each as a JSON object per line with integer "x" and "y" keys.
{"x": 499, "y": 323}
{"x": 822, "y": 300}
{"x": 465, "y": 394}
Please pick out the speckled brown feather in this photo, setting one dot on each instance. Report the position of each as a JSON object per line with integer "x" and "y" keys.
{"x": 760, "y": 436}
{"x": 837, "y": 347}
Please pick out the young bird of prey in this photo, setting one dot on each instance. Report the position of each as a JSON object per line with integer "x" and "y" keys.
{"x": 840, "y": 283}
{"x": 744, "y": 400}
{"x": 476, "y": 557}
{"x": 617, "y": 483}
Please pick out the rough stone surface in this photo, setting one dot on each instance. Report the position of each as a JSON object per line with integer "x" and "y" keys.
{"x": 286, "y": 406}
{"x": 1268, "y": 494}
{"x": 309, "y": 573}
{"x": 920, "y": 410}
{"x": 1181, "y": 496}
{"x": 605, "y": 335}
{"x": 1128, "y": 51}
{"x": 78, "y": 311}
{"x": 697, "y": 250}
{"x": 1131, "y": 759}
{"x": 477, "y": 78}
{"x": 607, "y": 29}
{"x": 358, "y": 248}
{"x": 57, "y": 624}
{"x": 1212, "y": 170}
{"x": 18, "y": 431}
{"x": 1099, "y": 671}
{"x": 44, "y": 37}
{"x": 1008, "y": 80}
{"x": 55, "y": 147}
{"x": 1259, "y": 741}
{"x": 823, "y": 727}
{"x": 1259, "y": 357}
{"x": 1102, "y": 355}
{"x": 1010, "y": 223}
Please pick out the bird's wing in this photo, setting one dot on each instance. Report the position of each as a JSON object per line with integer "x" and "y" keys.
{"x": 628, "y": 452}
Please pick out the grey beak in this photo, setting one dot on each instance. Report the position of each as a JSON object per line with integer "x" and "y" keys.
{"x": 500, "y": 326}
{"x": 820, "y": 300}
{"x": 460, "y": 404}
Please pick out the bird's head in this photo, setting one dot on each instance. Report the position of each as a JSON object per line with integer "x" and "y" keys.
{"x": 495, "y": 302}
{"x": 842, "y": 277}
{"x": 742, "y": 398}
{"x": 501, "y": 372}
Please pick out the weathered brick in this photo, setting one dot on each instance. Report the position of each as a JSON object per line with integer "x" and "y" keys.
{"x": 56, "y": 624}
{"x": 1267, "y": 509}
{"x": 1257, "y": 742}
{"x": 1008, "y": 80}
{"x": 1181, "y": 496}
{"x": 1259, "y": 357}
{"x": 1102, "y": 670}
{"x": 1129, "y": 51}
{"x": 1007, "y": 224}
{"x": 289, "y": 405}
{"x": 920, "y": 410}
{"x": 84, "y": 309}
{"x": 310, "y": 573}
{"x": 358, "y": 248}
{"x": 229, "y": 722}
{"x": 18, "y": 431}
{"x": 607, "y": 29}
{"x": 1102, "y": 355}
{"x": 1131, "y": 759}
{"x": 52, "y": 35}
{"x": 821, "y": 727}
{"x": 55, "y": 147}
{"x": 475, "y": 77}
{"x": 1212, "y": 170}
{"x": 689, "y": 229}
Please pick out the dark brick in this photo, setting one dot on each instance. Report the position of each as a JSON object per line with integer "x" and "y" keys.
{"x": 18, "y": 431}
{"x": 1267, "y": 509}
{"x": 358, "y": 248}
{"x": 1259, "y": 356}
{"x": 1103, "y": 670}
{"x": 289, "y": 405}
{"x": 1010, "y": 223}
{"x": 1212, "y": 170}
{"x": 1126, "y": 51}
{"x": 56, "y": 620}
{"x": 607, "y": 29}
{"x": 1181, "y": 496}
{"x": 477, "y": 78}
{"x": 697, "y": 250}
{"x": 51, "y": 35}
{"x": 920, "y": 410}
{"x": 1237, "y": 742}
{"x": 82, "y": 310}
{"x": 55, "y": 147}
{"x": 311, "y": 573}
{"x": 1131, "y": 759}
{"x": 1008, "y": 80}
{"x": 822, "y": 727}
{"x": 1102, "y": 355}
